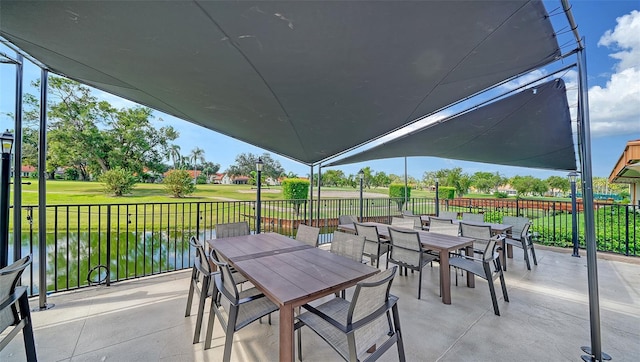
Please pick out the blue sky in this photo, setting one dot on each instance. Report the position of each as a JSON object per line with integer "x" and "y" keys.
{"x": 610, "y": 29}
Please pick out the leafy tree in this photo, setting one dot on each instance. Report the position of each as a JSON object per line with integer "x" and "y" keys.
{"x": 528, "y": 184}
{"x": 558, "y": 183}
{"x": 295, "y": 190}
{"x": 71, "y": 174}
{"x": 175, "y": 156}
{"x": 486, "y": 181}
{"x": 118, "y": 181}
{"x": 332, "y": 178}
{"x": 210, "y": 168}
{"x": 540, "y": 187}
{"x": 246, "y": 162}
{"x": 380, "y": 179}
{"x": 454, "y": 178}
{"x": 179, "y": 183}
{"x": 92, "y": 136}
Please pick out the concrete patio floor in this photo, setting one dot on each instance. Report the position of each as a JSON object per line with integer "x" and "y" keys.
{"x": 547, "y": 319}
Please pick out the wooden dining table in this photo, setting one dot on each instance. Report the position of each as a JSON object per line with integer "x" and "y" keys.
{"x": 443, "y": 244}
{"x": 290, "y": 273}
{"x": 496, "y": 228}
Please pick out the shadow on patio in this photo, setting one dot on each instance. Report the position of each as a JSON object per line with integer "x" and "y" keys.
{"x": 547, "y": 319}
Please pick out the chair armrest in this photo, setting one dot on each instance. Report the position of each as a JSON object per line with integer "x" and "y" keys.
{"x": 13, "y": 297}
{"x": 251, "y": 298}
{"x": 326, "y": 317}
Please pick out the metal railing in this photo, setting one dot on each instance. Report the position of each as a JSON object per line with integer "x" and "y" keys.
{"x": 90, "y": 244}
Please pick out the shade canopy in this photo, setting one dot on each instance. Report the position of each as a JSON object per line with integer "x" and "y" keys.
{"x": 307, "y": 79}
{"x": 531, "y": 128}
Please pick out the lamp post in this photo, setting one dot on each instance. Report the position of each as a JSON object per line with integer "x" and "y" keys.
{"x": 361, "y": 177}
{"x": 437, "y": 199}
{"x": 574, "y": 213}
{"x": 259, "y": 165}
{"x": 5, "y": 168}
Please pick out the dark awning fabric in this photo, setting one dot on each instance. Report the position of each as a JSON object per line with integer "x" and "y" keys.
{"x": 528, "y": 129}
{"x": 304, "y": 79}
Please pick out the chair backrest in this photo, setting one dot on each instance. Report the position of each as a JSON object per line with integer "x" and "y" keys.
{"x": 347, "y": 219}
{"x": 9, "y": 277}
{"x": 348, "y": 245}
{"x": 402, "y": 222}
{"x": 481, "y": 233}
{"x": 452, "y": 215}
{"x": 517, "y": 225}
{"x": 225, "y": 284}
{"x": 368, "y": 303}
{"x": 370, "y": 233}
{"x": 469, "y": 216}
{"x": 407, "y": 212}
{"x": 405, "y": 246}
{"x": 201, "y": 261}
{"x": 490, "y": 252}
{"x": 308, "y": 234}
{"x": 443, "y": 226}
{"x": 232, "y": 229}
{"x": 417, "y": 221}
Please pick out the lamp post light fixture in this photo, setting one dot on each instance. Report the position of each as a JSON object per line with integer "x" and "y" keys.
{"x": 259, "y": 165}
{"x": 574, "y": 213}
{"x": 437, "y": 199}
{"x": 6, "y": 139}
{"x": 361, "y": 177}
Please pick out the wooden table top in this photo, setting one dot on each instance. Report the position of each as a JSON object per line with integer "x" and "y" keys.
{"x": 429, "y": 240}
{"x": 495, "y": 227}
{"x": 290, "y": 272}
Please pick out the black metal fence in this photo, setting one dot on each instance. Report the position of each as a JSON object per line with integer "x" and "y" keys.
{"x": 89, "y": 244}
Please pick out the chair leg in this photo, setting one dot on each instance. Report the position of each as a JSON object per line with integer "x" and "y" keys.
{"x": 191, "y": 288}
{"x": 203, "y": 298}
{"x": 27, "y": 331}
{"x": 526, "y": 254}
{"x": 212, "y": 318}
{"x": 419, "y": 283}
{"x": 228, "y": 340}
{"x": 299, "y": 344}
{"x": 492, "y": 289}
{"x": 533, "y": 254}
{"x": 399, "y": 342}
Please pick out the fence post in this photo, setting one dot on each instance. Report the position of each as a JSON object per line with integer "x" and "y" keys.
{"x": 108, "y": 256}
{"x": 517, "y": 207}
{"x": 197, "y": 220}
{"x": 626, "y": 226}
{"x": 553, "y": 217}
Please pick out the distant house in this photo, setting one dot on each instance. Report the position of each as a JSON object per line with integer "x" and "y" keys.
{"x": 508, "y": 189}
{"x": 273, "y": 181}
{"x": 240, "y": 180}
{"x": 25, "y": 171}
{"x": 217, "y": 178}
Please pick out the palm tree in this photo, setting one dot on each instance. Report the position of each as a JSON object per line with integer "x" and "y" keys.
{"x": 174, "y": 155}
{"x": 197, "y": 154}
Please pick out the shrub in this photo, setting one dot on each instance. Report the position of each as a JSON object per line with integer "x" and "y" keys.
{"x": 500, "y": 195}
{"x": 71, "y": 174}
{"x": 179, "y": 183}
{"x": 446, "y": 192}
{"x": 295, "y": 190}
{"x": 396, "y": 192}
{"x": 201, "y": 179}
{"x": 118, "y": 181}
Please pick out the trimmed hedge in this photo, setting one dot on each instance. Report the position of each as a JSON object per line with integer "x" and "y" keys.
{"x": 296, "y": 191}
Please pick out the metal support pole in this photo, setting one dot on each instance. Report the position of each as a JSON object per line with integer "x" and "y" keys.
{"x": 5, "y": 169}
{"x": 584, "y": 146}
{"x": 405, "y": 184}
{"x": 361, "y": 200}
{"x": 311, "y": 198}
{"x": 42, "y": 194}
{"x": 258, "y": 206}
{"x": 574, "y": 220}
{"x": 319, "y": 183}
{"x": 437, "y": 200}
{"x": 17, "y": 165}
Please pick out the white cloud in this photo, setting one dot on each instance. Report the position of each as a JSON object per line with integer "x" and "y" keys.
{"x": 615, "y": 108}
